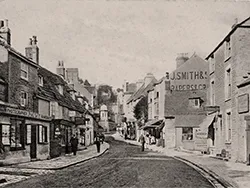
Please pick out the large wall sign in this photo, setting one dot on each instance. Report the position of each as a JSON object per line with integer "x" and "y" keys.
{"x": 243, "y": 103}
{"x": 189, "y": 80}
{"x": 23, "y": 113}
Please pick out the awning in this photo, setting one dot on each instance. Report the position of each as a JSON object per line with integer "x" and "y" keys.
{"x": 206, "y": 123}
{"x": 155, "y": 124}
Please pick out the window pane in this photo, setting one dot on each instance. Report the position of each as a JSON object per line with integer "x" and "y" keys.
{"x": 6, "y": 134}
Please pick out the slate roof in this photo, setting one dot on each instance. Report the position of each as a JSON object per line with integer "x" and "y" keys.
{"x": 142, "y": 91}
{"x": 49, "y": 90}
{"x": 188, "y": 120}
{"x": 131, "y": 88}
{"x": 229, "y": 34}
{"x": 12, "y": 50}
{"x": 177, "y": 103}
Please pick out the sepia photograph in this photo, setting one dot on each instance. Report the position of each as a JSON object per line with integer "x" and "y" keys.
{"x": 124, "y": 93}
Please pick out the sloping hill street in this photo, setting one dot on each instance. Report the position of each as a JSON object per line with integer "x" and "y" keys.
{"x": 124, "y": 165}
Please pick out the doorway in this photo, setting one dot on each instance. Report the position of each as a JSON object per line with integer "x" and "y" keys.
{"x": 33, "y": 144}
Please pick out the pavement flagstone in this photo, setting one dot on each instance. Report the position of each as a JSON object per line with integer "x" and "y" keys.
{"x": 18, "y": 172}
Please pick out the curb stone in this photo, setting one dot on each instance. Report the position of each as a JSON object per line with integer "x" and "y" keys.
{"x": 72, "y": 164}
{"x": 214, "y": 178}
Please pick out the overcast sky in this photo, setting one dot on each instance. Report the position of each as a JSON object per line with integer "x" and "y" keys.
{"x": 110, "y": 41}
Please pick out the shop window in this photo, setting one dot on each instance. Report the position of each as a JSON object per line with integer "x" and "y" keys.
{"x": 24, "y": 71}
{"x": 28, "y": 134}
{"x": 6, "y": 135}
{"x": 16, "y": 134}
{"x": 23, "y": 98}
{"x": 42, "y": 134}
{"x": 187, "y": 133}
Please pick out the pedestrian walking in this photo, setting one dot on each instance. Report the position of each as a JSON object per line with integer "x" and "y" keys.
{"x": 147, "y": 140}
{"x": 102, "y": 138}
{"x": 98, "y": 143}
{"x": 74, "y": 144}
{"x": 142, "y": 140}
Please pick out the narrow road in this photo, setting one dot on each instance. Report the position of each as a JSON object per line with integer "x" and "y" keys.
{"x": 123, "y": 165}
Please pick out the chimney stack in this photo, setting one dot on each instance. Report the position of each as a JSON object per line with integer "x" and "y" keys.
{"x": 32, "y": 51}
{"x": 235, "y": 23}
{"x": 60, "y": 70}
{"x": 181, "y": 59}
{"x": 5, "y": 31}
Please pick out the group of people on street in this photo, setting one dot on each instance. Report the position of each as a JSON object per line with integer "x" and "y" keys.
{"x": 146, "y": 140}
{"x": 98, "y": 141}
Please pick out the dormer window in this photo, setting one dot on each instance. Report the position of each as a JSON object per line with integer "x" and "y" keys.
{"x": 72, "y": 94}
{"x": 195, "y": 102}
{"x": 40, "y": 80}
{"x": 60, "y": 89}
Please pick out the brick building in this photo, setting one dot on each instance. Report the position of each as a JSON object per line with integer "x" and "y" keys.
{"x": 229, "y": 67}
{"x": 175, "y": 104}
{"x": 39, "y": 110}
{"x": 24, "y": 130}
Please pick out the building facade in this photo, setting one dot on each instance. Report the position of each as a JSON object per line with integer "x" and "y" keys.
{"x": 24, "y": 124}
{"x": 228, "y": 90}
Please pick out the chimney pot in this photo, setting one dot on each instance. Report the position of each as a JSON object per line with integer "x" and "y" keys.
{"x": 6, "y": 24}
{"x": 34, "y": 40}
{"x": 1, "y": 23}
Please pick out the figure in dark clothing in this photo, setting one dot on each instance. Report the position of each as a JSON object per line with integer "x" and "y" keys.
{"x": 102, "y": 138}
{"x": 98, "y": 144}
{"x": 142, "y": 140}
{"x": 74, "y": 144}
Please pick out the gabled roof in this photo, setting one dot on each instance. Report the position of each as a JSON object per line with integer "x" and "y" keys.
{"x": 12, "y": 50}
{"x": 177, "y": 103}
{"x": 188, "y": 120}
{"x": 142, "y": 91}
{"x": 229, "y": 34}
{"x": 49, "y": 90}
{"x": 131, "y": 88}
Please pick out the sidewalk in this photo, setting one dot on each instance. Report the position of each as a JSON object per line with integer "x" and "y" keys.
{"x": 64, "y": 161}
{"x": 230, "y": 174}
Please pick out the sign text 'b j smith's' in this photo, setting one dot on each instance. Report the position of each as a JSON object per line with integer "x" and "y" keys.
{"x": 188, "y": 80}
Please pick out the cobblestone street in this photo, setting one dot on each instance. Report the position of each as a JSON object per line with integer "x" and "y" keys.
{"x": 122, "y": 166}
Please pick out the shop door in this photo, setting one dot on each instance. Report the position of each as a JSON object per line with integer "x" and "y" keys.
{"x": 33, "y": 142}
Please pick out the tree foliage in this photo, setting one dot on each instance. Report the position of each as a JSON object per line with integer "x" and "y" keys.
{"x": 141, "y": 109}
{"x": 105, "y": 95}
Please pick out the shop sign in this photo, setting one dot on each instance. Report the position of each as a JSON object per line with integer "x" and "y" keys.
{"x": 24, "y": 113}
{"x": 243, "y": 103}
{"x": 201, "y": 140}
{"x": 188, "y": 80}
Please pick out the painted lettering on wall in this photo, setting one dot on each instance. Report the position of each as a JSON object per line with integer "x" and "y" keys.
{"x": 189, "y": 87}
{"x": 191, "y": 75}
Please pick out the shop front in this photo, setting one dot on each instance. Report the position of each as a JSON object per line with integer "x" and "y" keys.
{"x": 205, "y": 135}
{"x": 61, "y": 133}
{"x": 24, "y": 135}
{"x": 155, "y": 130}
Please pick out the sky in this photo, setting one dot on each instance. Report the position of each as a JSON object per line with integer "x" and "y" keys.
{"x": 116, "y": 40}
